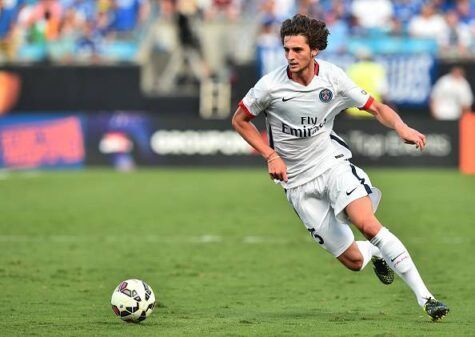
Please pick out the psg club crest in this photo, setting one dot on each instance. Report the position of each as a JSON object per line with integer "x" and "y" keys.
{"x": 325, "y": 95}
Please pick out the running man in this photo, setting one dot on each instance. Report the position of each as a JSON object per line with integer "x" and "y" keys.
{"x": 300, "y": 102}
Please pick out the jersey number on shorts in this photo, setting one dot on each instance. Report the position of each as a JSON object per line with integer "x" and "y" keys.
{"x": 317, "y": 237}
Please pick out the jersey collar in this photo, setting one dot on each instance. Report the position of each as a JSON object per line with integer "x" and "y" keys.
{"x": 315, "y": 70}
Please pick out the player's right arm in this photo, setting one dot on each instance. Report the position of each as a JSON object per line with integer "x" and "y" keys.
{"x": 243, "y": 125}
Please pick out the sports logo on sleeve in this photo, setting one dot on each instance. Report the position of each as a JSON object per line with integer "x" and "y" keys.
{"x": 325, "y": 95}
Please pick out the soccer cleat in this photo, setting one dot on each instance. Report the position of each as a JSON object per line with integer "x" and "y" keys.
{"x": 435, "y": 309}
{"x": 382, "y": 270}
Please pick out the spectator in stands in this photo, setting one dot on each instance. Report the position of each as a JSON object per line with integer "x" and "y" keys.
{"x": 24, "y": 21}
{"x": 8, "y": 16}
{"x": 320, "y": 8}
{"x": 47, "y": 18}
{"x": 279, "y": 9}
{"x": 192, "y": 66}
{"x": 85, "y": 9}
{"x": 381, "y": 13}
{"x": 220, "y": 36}
{"x": 451, "y": 96}
{"x": 266, "y": 13}
{"x": 69, "y": 31}
{"x": 338, "y": 27}
{"x": 404, "y": 10}
{"x": 457, "y": 39}
{"x": 102, "y": 24}
{"x": 268, "y": 33}
{"x": 284, "y": 9}
{"x": 128, "y": 14}
{"x": 228, "y": 9}
{"x": 88, "y": 44}
{"x": 186, "y": 14}
{"x": 370, "y": 76}
{"x": 428, "y": 24}
{"x": 466, "y": 11}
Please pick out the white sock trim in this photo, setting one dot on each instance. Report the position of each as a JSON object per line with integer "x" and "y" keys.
{"x": 366, "y": 249}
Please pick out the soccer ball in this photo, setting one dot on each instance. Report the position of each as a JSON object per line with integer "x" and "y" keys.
{"x": 133, "y": 300}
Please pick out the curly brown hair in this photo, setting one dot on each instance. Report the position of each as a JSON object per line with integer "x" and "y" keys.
{"x": 314, "y": 30}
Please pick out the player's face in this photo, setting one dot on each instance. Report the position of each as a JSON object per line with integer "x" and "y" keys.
{"x": 298, "y": 53}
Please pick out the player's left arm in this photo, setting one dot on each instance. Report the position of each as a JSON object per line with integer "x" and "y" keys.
{"x": 388, "y": 117}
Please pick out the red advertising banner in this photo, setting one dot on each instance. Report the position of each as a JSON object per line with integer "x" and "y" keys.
{"x": 47, "y": 142}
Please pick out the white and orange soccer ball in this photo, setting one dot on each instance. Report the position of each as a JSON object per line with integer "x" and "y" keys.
{"x": 133, "y": 300}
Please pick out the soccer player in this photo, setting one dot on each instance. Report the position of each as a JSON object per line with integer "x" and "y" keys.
{"x": 300, "y": 102}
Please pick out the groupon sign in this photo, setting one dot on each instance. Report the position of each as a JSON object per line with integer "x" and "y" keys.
{"x": 198, "y": 142}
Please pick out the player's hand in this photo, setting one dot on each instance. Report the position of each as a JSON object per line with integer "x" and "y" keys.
{"x": 412, "y": 136}
{"x": 277, "y": 169}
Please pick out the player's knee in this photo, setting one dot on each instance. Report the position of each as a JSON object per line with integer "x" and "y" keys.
{"x": 354, "y": 263}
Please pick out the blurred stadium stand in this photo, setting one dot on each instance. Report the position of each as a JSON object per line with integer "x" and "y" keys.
{"x": 178, "y": 44}
{"x": 197, "y": 58}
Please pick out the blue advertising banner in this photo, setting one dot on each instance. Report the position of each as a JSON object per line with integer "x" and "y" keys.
{"x": 41, "y": 141}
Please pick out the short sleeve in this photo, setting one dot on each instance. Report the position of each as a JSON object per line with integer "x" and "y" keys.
{"x": 257, "y": 99}
{"x": 355, "y": 96}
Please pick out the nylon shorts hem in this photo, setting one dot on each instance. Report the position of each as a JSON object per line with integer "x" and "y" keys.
{"x": 339, "y": 252}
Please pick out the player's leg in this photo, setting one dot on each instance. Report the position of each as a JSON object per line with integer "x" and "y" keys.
{"x": 313, "y": 208}
{"x": 343, "y": 187}
{"x": 394, "y": 253}
{"x": 352, "y": 195}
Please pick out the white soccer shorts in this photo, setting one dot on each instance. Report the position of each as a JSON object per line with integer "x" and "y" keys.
{"x": 320, "y": 204}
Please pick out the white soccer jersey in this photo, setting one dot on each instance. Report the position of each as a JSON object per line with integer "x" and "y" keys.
{"x": 300, "y": 118}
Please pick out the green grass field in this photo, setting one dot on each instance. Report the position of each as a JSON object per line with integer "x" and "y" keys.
{"x": 225, "y": 255}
